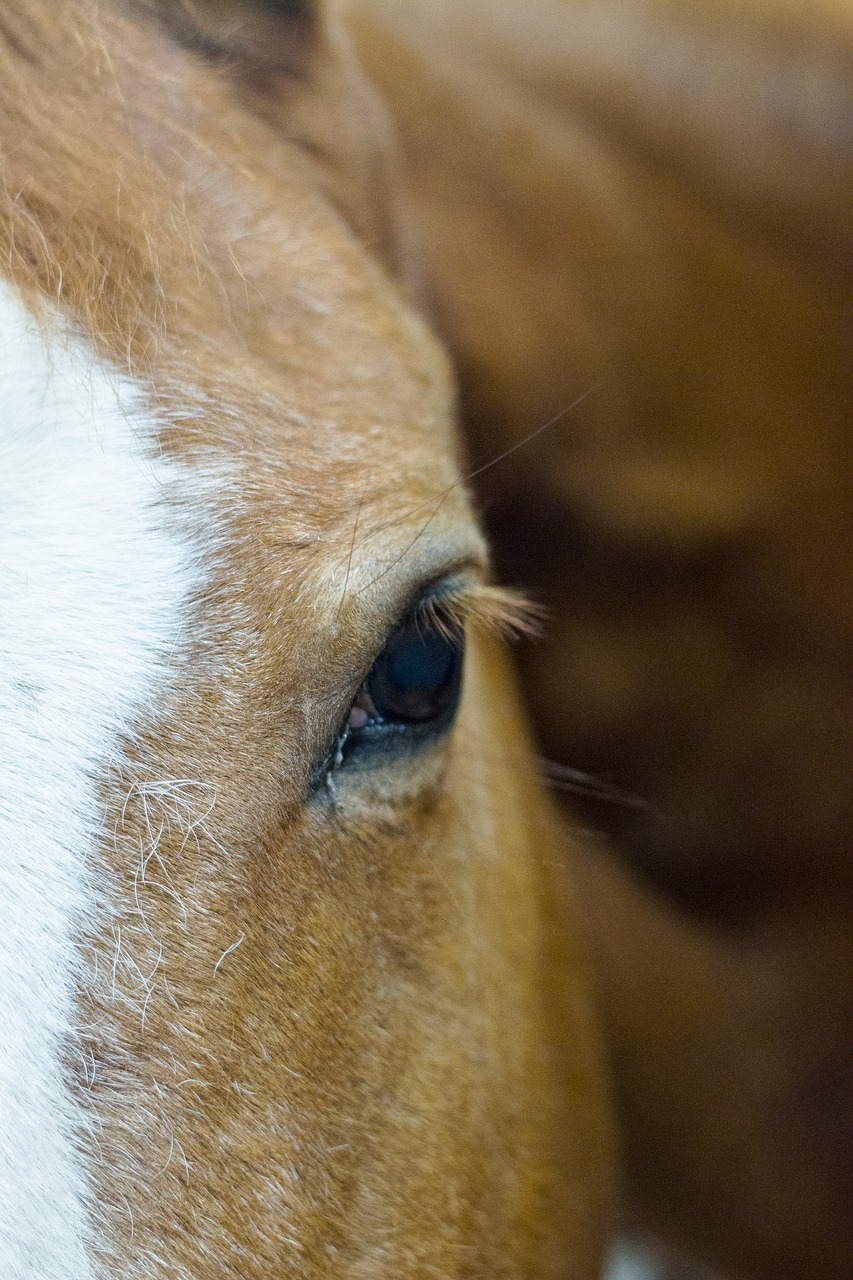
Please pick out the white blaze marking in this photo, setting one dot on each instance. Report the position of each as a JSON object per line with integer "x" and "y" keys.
{"x": 93, "y": 575}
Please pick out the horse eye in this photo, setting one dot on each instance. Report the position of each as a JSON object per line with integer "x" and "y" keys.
{"x": 417, "y": 676}
{"x": 408, "y": 699}
{"x": 415, "y": 682}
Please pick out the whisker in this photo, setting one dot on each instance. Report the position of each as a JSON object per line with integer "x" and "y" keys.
{"x": 351, "y": 551}
{"x": 562, "y": 777}
{"x": 478, "y": 471}
{"x": 520, "y": 444}
{"x": 426, "y": 524}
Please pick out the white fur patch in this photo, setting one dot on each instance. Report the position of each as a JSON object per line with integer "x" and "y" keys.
{"x": 94, "y": 574}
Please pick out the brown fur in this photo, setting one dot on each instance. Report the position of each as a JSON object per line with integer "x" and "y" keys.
{"x": 326, "y": 1040}
{"x": 654, "y": 200}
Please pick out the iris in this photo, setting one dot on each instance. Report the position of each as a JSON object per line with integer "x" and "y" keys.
{"x": 417, "y": 676}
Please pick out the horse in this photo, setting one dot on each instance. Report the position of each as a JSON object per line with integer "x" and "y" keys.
{"x": 288, "y": 979}
{"x": 648, "y": 202}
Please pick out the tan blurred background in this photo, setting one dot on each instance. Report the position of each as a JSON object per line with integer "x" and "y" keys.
{"x": 650, "y": 205}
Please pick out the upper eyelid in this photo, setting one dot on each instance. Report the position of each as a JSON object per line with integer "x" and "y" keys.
{"x": 422, "y": 602}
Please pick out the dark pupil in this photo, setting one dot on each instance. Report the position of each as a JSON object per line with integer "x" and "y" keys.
{"x": 418, "y": 674}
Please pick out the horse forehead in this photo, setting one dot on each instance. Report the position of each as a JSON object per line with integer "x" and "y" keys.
{"x": 309, "y": 364}
{"x": 332, "y": 400}
{"x": 246, "y": 304}
{"x": 269, "y": 338}
{"x": 342, "y": 433}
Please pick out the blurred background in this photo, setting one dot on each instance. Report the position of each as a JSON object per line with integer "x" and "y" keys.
{"x": 632, "y": 223}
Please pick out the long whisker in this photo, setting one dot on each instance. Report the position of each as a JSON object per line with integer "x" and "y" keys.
{"x": 440, "y": 498}
{"x": 520, "y": 444}
{"x": 426, "y": 524}
{"x": 563, "y": 778}
{"x": 493, "y": 462}
{"x": 351, "y": 552}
